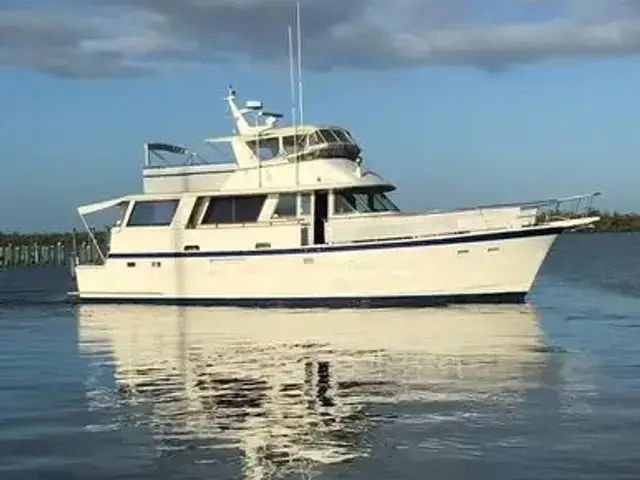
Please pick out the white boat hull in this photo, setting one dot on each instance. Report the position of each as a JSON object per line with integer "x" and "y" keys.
{"x": 494, "y": 267}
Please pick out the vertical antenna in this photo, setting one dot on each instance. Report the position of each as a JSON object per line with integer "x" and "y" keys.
{"x": 292, "y": 80}
{"x": 293, "y": 102}
{"x": 299, "y": 62}
{"x": 255, "y": 116}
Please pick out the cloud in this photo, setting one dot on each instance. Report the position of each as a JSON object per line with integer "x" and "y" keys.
{"x": 100, "y": 38}
{"x": 66, "y": 46}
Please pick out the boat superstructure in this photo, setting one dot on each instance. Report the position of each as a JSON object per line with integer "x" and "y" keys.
{"x": 297, "y": 219}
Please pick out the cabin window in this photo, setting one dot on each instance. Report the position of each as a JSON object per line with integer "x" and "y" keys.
{"x": 196, "y": 212}
{"x": 316, "y": 139}
{"x": 245, "y": 209}
{"x": 329, "y": 136}
{"x": 265, "y": 148}
{"x": 363, "y": 201}
{"x": 331, "y": 143}
{"x": 122, "y": 212}
{"x": 220, "y": 210}
{"x": 349, "y": 136}
{"x": 345, "y": 202}
{"x": 152, "y": 213}
{"x": 342, "y": 136}
{"x": 379, "y": 202}
{"x": 288, "y": 145}
{"x": 305, "y": 204}
{"x": 287, "y": 205}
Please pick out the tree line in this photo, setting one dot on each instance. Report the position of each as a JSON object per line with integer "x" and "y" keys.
{"x": 50, "y": 238}
{"x": 617, "y": 222}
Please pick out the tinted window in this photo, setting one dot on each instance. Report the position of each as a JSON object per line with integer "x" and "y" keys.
{"x": 342, "y": 136}
{"x": 266, "y": 148}
{"x": 150, "y": 213}
{"x": 220, "y": 210}
{"x": 233, "y": 209}
{"x": 349, "y": 136}
{"x": 328, "y": 136}
{"x": 286, "y": 205}
{"x": 291, "y": 144}
{"x": 288, "y": 144}
{"x": 247, "y": 209}
{"x": 347, "y": 201}
{"x": 196, "y": 212}
{"x": 316, "y": 139}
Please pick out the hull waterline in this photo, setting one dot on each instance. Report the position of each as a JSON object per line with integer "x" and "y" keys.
{"x": 398, "y": 301}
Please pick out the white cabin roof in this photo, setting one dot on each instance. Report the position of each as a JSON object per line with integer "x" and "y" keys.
{"x": 103, "y": 205}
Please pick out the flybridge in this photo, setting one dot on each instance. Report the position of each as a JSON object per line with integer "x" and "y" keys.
{"x": 264, "y": 152}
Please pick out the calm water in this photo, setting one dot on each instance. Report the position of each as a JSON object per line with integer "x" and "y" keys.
{"x": 546, "y": 391}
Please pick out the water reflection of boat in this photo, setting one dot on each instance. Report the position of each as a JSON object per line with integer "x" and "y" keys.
{"x": 290, "y": 394}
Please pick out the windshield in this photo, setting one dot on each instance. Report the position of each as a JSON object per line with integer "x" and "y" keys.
{"x": 363, "y": 201}
{"x": 334, "y": 135}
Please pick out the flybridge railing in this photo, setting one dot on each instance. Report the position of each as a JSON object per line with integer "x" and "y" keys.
{"x": 155, "y": 150}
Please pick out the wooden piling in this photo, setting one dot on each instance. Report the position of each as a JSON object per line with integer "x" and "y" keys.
{"x": 48, "y": 250}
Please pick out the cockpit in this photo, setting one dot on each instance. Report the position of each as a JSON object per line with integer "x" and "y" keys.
{"x": 324, "y": 142}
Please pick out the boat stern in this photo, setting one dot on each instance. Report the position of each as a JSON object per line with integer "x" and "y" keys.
{"x": 89, "y": 279}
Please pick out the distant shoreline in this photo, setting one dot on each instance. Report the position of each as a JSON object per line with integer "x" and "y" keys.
{"x": 49, "y": 238}
{"x": 616, "y": 222}
{"x": 610, "y": 222}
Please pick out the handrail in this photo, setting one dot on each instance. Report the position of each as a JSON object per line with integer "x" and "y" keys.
{"x": 581, "y": 205}
{"x": 535, "y": 203}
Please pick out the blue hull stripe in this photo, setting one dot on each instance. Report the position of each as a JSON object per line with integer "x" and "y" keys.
{"x": 408, "y": 301}
{"x": 481, "y": 237}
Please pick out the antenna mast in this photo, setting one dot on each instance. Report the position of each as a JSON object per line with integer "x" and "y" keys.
{"x": 293, "y": 104}
{"x": 294, "y": 118}
{"x": 299, "y": 28}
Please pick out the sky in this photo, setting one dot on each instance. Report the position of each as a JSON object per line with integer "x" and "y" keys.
{"x": 456, "y": 102}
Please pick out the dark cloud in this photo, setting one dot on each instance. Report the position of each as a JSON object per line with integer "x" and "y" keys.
{"x": 138, "y": 37}
{"x": 60, "y": 46}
